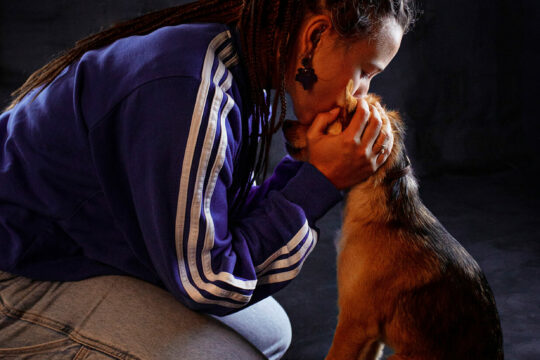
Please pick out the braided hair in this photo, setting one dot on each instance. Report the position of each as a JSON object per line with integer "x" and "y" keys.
{"x": 267, "y": 28}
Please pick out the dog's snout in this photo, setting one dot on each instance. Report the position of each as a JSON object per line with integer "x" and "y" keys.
{"x": 287, "y": 124}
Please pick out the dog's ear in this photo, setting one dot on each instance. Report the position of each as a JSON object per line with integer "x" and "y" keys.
{"x": 372, "y": 99}
{"x": 295, "y": 139}
{"x": 347, "y": 111}
{"x": 398, "y": 126}
{"x": 350, "y": 101}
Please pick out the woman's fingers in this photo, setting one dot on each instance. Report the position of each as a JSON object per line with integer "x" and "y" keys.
{"x": 384, "y": 144}
{"x": 358, "y": 122}
{"x": 322, "y": 121}
{"x": 373, "y": 134}
{"x": 373, "y": 129}
{"x": 355, "y": 154}
{"x": 381, "y": 159}
{"x": 385, "y": 139}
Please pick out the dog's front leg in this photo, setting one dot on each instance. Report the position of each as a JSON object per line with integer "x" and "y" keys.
{"x": 353, "y": 343}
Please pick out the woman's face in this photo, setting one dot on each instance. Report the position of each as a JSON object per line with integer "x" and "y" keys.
{"x": 335, "y": 63}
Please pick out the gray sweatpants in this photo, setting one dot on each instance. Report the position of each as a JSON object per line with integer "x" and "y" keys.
{"x": 118, "y": 317}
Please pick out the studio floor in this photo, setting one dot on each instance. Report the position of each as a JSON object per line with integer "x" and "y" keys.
{"x": 496, "y": 217}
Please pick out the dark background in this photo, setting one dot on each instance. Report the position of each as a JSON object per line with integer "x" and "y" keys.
{"x": 465, "y": 81}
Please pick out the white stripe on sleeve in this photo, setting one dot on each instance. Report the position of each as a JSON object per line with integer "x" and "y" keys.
{"x": 192, "y": 282}
{"x": 300, "y": 235}
{"x": 198, "y": 113}
{"x": 291, "y": 274}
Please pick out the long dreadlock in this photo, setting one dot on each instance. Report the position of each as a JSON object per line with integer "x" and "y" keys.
{"x": 263, "y": 51}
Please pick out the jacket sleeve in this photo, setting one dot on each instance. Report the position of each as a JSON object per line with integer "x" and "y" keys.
{"x": 167, "y": 177}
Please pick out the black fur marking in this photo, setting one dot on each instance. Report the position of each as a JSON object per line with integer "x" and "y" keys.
{"x": 458, "y": 317}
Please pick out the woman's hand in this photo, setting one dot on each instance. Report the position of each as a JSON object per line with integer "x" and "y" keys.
{"x": 355, "y": 154}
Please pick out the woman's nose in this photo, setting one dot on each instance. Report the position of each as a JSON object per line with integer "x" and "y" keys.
{"x": 362, "y": 89}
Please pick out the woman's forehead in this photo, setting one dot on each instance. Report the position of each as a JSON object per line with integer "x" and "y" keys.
{"x": 382, "y": 45}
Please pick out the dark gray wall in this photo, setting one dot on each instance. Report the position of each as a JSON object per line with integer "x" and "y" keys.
{"x": 32, "y": 32}
{"x": 465, "y": 78}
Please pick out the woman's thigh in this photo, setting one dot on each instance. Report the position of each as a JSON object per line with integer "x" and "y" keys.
{"x": 122, "y": 317}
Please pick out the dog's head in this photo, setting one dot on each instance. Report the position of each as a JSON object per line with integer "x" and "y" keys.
{"x": 296, "y": 133}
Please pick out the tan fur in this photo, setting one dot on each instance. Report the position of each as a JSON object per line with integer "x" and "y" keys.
{"x": 381, "y": 265}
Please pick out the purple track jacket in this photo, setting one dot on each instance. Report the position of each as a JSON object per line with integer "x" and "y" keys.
{"x": 122, "y": 166}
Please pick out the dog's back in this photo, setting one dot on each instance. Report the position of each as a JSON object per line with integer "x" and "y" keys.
{"x": 432, "y": 300}
{"x": 453, "y": 313}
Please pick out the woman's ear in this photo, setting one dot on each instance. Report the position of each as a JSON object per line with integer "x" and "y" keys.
{"x": 315, "y": 30}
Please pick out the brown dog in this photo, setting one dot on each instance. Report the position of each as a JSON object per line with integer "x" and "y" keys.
{"x": 403, "y": 280}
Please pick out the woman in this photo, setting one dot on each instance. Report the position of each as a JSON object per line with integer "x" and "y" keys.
{"x": 126, "y": 181}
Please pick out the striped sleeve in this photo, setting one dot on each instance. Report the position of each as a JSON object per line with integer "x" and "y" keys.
{"x": 221, "y": 264}
{"x": 178, "y": 137}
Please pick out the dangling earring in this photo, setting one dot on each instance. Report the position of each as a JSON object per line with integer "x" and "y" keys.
{"x": 306, "y": 75}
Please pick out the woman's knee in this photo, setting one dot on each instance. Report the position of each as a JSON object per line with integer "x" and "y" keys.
{"x": 265, "y": 325}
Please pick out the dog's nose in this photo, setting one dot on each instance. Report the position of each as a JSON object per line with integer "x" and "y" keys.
{"x": 287, "y": 124}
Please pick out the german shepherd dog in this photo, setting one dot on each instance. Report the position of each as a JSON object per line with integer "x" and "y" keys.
{"x": 403, "y": 280}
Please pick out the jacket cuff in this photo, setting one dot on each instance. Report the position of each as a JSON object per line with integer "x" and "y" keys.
{"x": 312, "y": 191}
